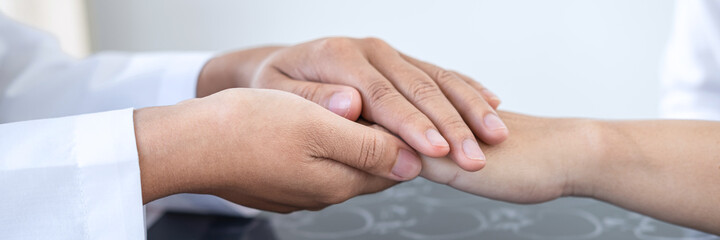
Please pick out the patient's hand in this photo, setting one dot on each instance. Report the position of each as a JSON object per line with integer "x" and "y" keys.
{"x": 666, "y": 169}
{"x": 542, "y": 160}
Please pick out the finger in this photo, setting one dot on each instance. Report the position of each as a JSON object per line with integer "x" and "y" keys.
{"x": 376, "y": 127}
{"x": 439, "y": 170}
{"x": 342, "y": 100}
{"x": 472, "y": 106}
{"x": 444, "y": 171}
{"x": 383, "y": 104}
{"x": 341, "y": 61}
{"x": 489, "y": 96}
{"x": 367, "y": 149}
{"x": 427, "y": 96}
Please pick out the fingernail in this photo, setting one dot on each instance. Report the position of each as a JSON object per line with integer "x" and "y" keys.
{"x": 434, "y": 137}
{"x": 340, "y": 103}
{"x": 493, "y": 122}
{"x": 490, "y": 94}
{"x": 407, "y": 165}
{"x": 472, "y": 150}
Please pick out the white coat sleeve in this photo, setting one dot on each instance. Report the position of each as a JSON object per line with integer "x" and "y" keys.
{"x": 38, "y": 80}
{"x": 71, "y": 178}
{"x": 691, "y": 76}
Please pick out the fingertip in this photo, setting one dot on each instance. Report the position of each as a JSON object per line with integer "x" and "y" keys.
{"x": 494, "y": 130}
{"x": 407, "y": 166}
{"x": 429, "y": 142}
{"x": 494, "y": 102}
{"x": 355, "y": 104}
{"x": 430, "y": 150}
{"x": 491, "y": 98}
{"x": 437, "y": 144}
{"x": 472, "y": 157}
{"x": 435, "y": 151}
{"x": 501, "y": 135}
{"x": 473, "y": 166}
{"x": 345, "y": 102}
{"x": 467, "y": 164}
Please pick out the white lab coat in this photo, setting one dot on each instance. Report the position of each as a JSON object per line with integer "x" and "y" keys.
{"x": 69, "y": 176}
{"x": 691, "y": 75}
{"x": 77, "y": 177}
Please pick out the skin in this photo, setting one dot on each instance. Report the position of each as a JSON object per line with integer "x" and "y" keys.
{"x": 226, "y": 142}
{"x": 666, "y": 169}
{"x": 283, "y": 155}
{"x": 425, "y": 105}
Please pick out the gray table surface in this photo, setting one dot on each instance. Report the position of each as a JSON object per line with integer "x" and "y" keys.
{"x": 420, "y": 209}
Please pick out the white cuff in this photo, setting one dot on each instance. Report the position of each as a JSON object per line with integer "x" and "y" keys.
{"x": 74, "y": 177}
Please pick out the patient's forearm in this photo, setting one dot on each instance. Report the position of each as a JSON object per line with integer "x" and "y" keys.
{"x": 665, "y": 169}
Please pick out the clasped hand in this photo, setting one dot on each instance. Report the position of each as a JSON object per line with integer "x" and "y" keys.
{"x": 276, "y": 151}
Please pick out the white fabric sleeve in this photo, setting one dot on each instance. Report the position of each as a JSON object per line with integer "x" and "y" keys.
{"x": 691, "y": 76}
{"x": 75, "y": 177}
{"x": 38, "y": 80}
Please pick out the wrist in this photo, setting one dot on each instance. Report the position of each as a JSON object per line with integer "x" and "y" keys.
{"x": 231, "y": 70}
{"x": 156, "y": 172}
{"x": 587, "y": 162}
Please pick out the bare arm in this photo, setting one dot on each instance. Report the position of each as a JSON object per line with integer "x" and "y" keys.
{"x": 666, "y": 169}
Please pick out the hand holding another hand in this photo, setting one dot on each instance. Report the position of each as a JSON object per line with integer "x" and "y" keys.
{"x": 434, "y": 110}
{"x": 282, "y": 155}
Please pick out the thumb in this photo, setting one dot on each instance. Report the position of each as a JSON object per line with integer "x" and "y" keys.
{"x": 369, "y": 150}
{"x": 342, "y": 100}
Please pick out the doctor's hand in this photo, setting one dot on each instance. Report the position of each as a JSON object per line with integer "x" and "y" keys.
{"x": 544, "y": 159}
{"x": 434, "y": 110}
{"x": 265, "y": 149}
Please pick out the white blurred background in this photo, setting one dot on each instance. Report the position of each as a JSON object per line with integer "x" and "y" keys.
{"x": 551, "y": 57}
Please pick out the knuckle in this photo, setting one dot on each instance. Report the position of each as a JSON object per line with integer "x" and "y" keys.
{"x": 453, "y": 122}
{"x": 375, "y": 42}
{"x": 336, "y": 45}
{"x": 455, "y": 74}
{"x": 316, "y": 142}
{"x": 308, "y": 91}
{"x": 233, "y": 94}
{"x": 444, "y": 77}
{"x": 413, "y": 118}
{"x": 473, "y": 102}
{"x": 380, "y": 93}
{"x": 423, "y": 91}
{"x": 371, "y": 152}
{"x": 233, "y": 101}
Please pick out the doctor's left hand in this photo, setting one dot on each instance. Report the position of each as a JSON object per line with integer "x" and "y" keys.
{"x": 265, "y": 149}
{"x": 436, "y": 111}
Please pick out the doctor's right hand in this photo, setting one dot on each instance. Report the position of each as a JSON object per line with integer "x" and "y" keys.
{"x": 265, "y": 149}
{"x": 436, "y": 111}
